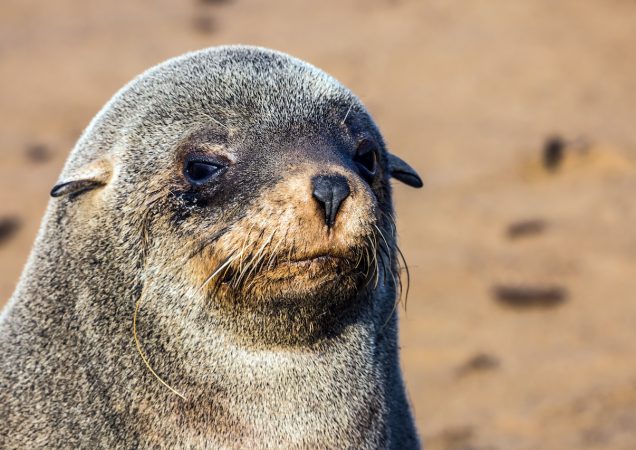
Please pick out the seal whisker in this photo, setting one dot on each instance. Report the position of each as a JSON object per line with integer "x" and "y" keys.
{"x": 365, "y": 256}
{"x": 346, "y": 115}
{"x": 393, "y": 309}
{"x": 408, "y": 274}
{"x": 257, "y": 266}
{"x": 243, "y": 246}
{"x": 390, "y": 219}
{"x": 401, "y": 261}
{"x": 209, "y": 241}
{"x": 274, "y": 253}
{"x": 217, "y": 271}
{"x": 247, "y": 242}
{"x": 375, "y": 260}
{"x": 259, "y": 255}
{"x": 218, "y": 122}
{"x": 371, "y": 261}
{"x": 386, "y": 263}
{"x": 140, "y": 350}
{"x": 136, "y": 336}
{"x": 292, "y": 247}
{"x": 385, "y": 249}
{"x": 397, "y": 282}
{"x": 358, "y": 259}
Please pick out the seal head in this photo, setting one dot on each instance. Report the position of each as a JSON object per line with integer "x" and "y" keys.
{"x": 265, "y": 181}
{"x": 223, "y": 231}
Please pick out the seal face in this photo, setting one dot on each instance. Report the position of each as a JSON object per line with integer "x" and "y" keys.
{"x": 267, "y": 182}
{"x": 288, "y": 223}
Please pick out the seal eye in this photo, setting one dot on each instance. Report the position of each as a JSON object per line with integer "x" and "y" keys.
{"x": 198, "y": 172}
{"x": 366, "y": 158}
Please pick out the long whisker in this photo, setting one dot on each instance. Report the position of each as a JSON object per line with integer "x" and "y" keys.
{"x": 217, "y": 271}
{"x": 244, "y": 246}
{"x": 408, "y": 274}
{"x": 274, "y": 253}
{"x": 401, "y": 262}
{"x": 393, "y": 308}
{"x": 259, "y": 255}
{"x": 367, "y": 258}
{"x": 375, "y": 260}
{"x": 391, "y": 220}
{"x": 141, "y": 352}
{"x": 347, "y": 114}
{"x": 384, "y": 251}
{"x": 208, "y": 242}
{"x": 249, "y": 262}
{"x": 153, "y": 198}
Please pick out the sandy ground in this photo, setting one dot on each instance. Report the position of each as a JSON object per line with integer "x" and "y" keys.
{"x": 520, "y": 328}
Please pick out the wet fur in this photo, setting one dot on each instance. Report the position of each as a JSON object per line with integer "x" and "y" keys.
{"x": 254, "y": 373}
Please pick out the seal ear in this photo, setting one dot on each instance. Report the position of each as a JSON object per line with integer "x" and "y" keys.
{"x": 401, "y": 171}
{"x": 86, "y": 179}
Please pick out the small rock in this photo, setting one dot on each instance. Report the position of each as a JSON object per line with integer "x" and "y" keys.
{"x": 526, "y": 297}
{"x": 453, "y": 438}
{"x": 478, "y": 363}
{"x": 553, "y": 153}
{"x": 204, "y": 23}
{"x": 38, "y": 153}
{"x": 8, "y": 227}
{"x": 526, "y": 228}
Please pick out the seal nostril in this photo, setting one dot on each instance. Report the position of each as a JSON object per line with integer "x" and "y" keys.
{"x": 330, "y": 191}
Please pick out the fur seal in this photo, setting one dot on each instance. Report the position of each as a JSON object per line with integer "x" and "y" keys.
{"x": 217, "y": 269}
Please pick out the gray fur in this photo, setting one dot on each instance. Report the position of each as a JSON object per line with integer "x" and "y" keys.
{"x": 70, "y": 375}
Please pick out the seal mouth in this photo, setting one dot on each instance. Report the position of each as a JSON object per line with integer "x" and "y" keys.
{"x": 317, "y": 259}
{"x": 324, "y": 266}
{"x": 299, "y": 272}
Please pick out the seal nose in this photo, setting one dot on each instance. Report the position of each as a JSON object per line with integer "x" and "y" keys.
{"x": 330, "y": 191}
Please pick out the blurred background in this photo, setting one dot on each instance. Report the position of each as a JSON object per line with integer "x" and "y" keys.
{"x": 520, "y": 326}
